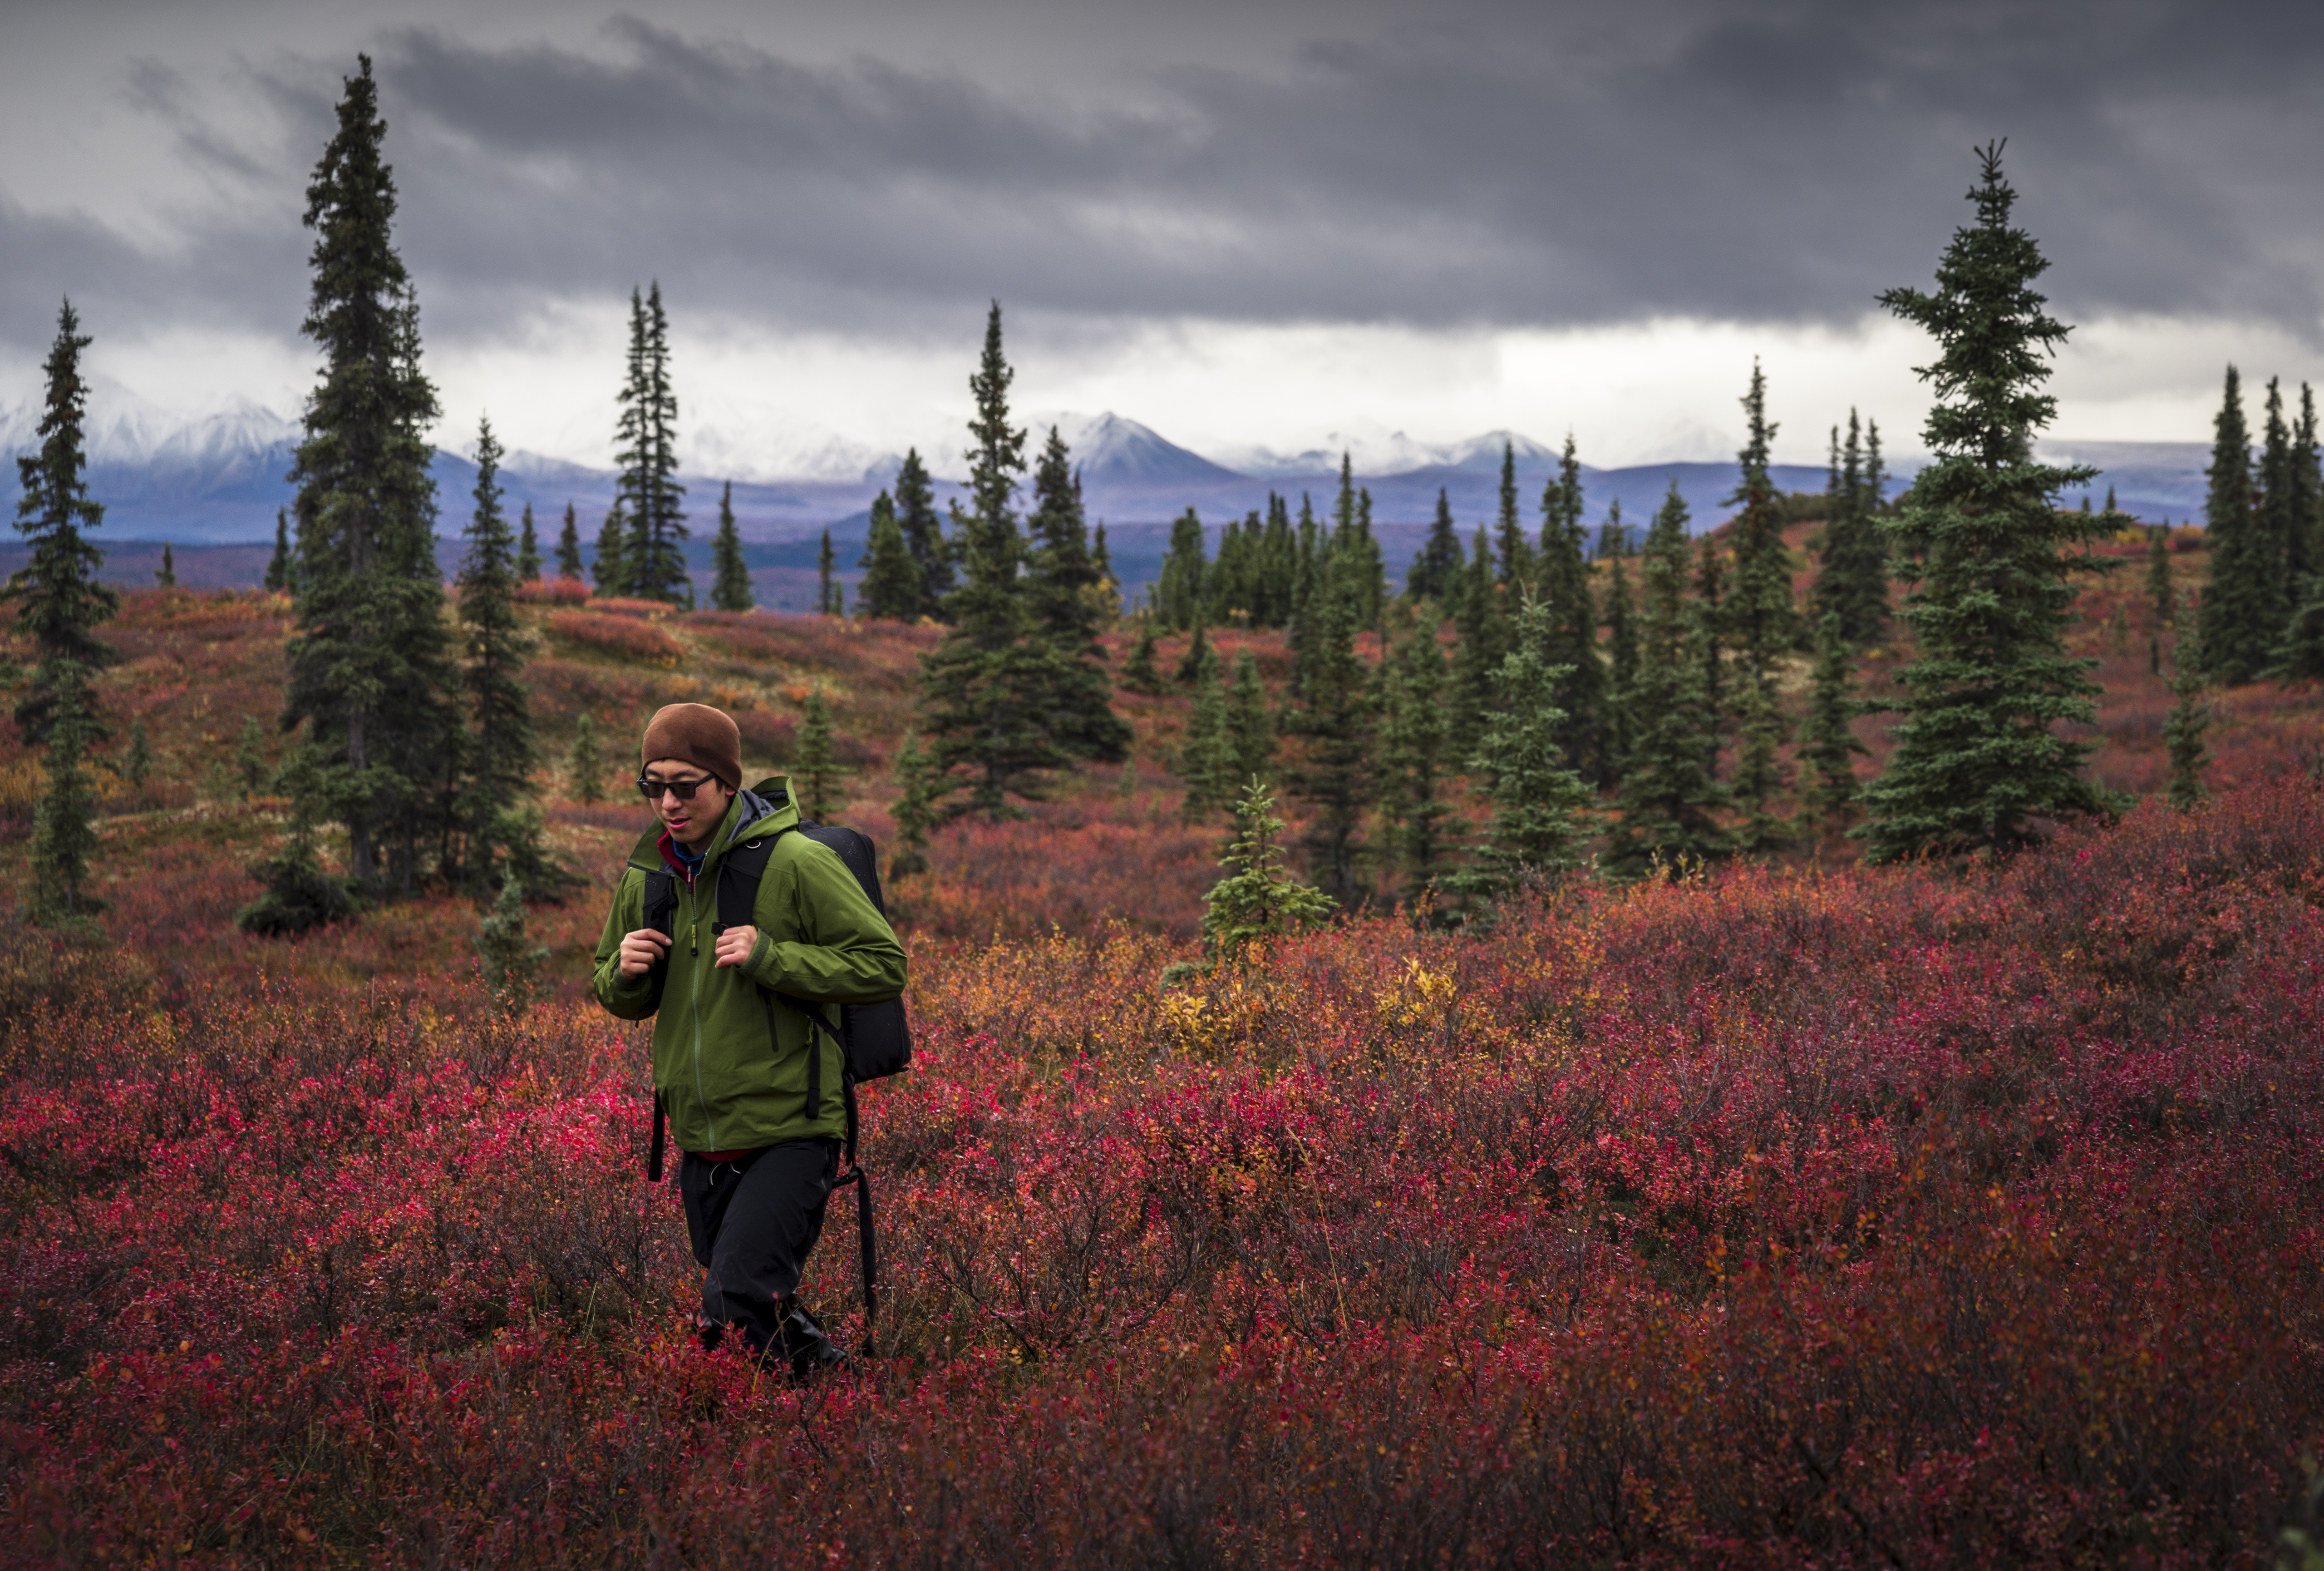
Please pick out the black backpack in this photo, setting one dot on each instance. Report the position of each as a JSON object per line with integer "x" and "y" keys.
{"x": 874, "y": 1040}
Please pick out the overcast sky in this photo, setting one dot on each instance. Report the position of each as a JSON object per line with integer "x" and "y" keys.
{"x": 1247, "y": 223}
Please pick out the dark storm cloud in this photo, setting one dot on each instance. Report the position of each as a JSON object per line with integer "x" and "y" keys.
{"x": 1770, "y": 162}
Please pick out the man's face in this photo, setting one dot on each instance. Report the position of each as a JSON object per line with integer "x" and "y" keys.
{"x": 690, "y": 822}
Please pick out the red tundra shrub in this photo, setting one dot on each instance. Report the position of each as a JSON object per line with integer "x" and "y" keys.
{"x": 621, "y": 635}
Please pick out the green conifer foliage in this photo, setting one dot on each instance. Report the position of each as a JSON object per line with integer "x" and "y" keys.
{"x": 1205, "y": 756}
{"x": 2300, "y": 656}
{"x": 1356, "y": 563}
{"x": 2159, "y": 590}
{"x": 1258, "y": 900}
{"x": 2242, "y": 608}
{"x": 828, "y": 596}
{"x": 568, "y": 546}
{"x": 916, "y": 810}
{"x": 1481, "y": 642}
{"x": 1250, "y": 731}
{"x": 506, "y": 956}
{"x": 646, "y": 449}
{"x": 923, "y": 536}
{"x": 1978, "y": 763}
{"x": 300, "y": 895}
{"x": 60, "y": 602}
{"x": 1139, "y": 673}
{"x": 278, "y": 565}
{"x": 1852, "y": 577}
{"x": 985, "y": 688}
{"x": 1417, "y": 754}
{"x": 1278, "y": 567}
{"x": 166, "y": 575}
{"x": 1333, "y": 715}
{"x": 1437, "y": 568}
{"x": 1197, "y": 657}
{"x": 584, "y": 763}
{"x": 1828, "y": 745}
{"x": 1670, "y": 798}
{"x": 2183, "y": 731}
{"x": 2283, "y": 518}
{"x": 816, "y": 771}
{"x": 1513, "y": 557}
{"x": 1540, "y": 804}
{"x": 137, "y": 763}
{"x": 730, "y": 579}
{"x": 528, "y": 548}
{"x": 892, "y": 583}
{"x": 1562, "y": 585}
{"x": 1182, "y": 590}
{"x": 497, "y": 644}
{"x": 1070, "y": 597}
{"x": 250, "y": 757}
{"x": 610, "y": 572}
{"x": 1762, "y": 622}
{"x": 1621, "y": 729}
{"x": 64, "y": 820}
{"x": 2304, "y": 556}
{"x": 370, "y": 663}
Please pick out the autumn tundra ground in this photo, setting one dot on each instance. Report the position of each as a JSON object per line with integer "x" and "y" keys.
{"x": 1794, "y": 1215}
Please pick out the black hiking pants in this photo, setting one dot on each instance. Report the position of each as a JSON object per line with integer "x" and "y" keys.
{"x": 753, "y": 1222}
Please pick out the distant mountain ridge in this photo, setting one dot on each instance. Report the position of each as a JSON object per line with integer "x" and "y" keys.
{"x": 219, "y": 477}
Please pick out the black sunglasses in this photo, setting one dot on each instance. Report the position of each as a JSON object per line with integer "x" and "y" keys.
{"x": 683, "y": 789}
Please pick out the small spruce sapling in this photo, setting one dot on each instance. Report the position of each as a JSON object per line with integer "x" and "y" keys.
{"x": 1258, "y": 900}
{"x": 506, "y": 954}
{"x": 137, "y": 763}
{"x": 2183, "y": 733}
{"x": 250, "y": 757}
{"x": 817, "y": 770}
{"x": 1541, "y": 806}
{"x": 1139, "y": 672}
{"x": 300, "y": 895}
{"x": 1828, "y": 745}
{"x": 585, "y": 764}
{"x": 166, "y": 575}
{"x": 917, "y": 809}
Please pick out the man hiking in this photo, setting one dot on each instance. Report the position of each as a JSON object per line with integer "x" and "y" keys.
{"x": 736, "y": 1067}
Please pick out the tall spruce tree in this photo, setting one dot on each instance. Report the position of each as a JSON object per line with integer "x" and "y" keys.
{"x": 370, "y": 668}
{"x": 528, "y": 548}
{"x": 983, "y": 688}
{"x": 2243, "y": 608}
{"x": 2282, "y": 512}
{"x": 1251, "y": 730}
{"x": 1513, "y": 556}
{"x": 1480, "y": 644}
{"x": 278, "y": 565}
{"x": 568, "y": 546}
{"x": 1764, "y": 626}
{"x": 1068, "y": 595}
{"x": 1540, "y": 804}
{"x": 2304, "y": 557}
{"x": 915, "y": 809}
{"x": 610, "y": 572}
{"x": 1852, "y": 576}
{"x": 60, "y": 604}
{"x": 1437, "y": 568}
{"x": 646, "y": 449}
{"x": 729, "y": 580}
{"x": 924, "y": 535}
{"x": 1621, "y": 728}
{"x": 1206, "y": 755}
{"x": 892, "y": 583}
{"x": 1978, "y": 763}
{"x": 503, "y": 838}
{"x": 827, "y": 592}
{"x": 817, "y": 770}
{"x": 1416, "y": 755}
{"x": 1182, "y": 589}
{"x": 1562, "y": 585}
{"x": 1333, "y": 714}
{"x": 1828, "y": 745}
{"x": 166, "y": 575}
{"x": 1671, "y": 798}
{"x": 1355, "y": 551}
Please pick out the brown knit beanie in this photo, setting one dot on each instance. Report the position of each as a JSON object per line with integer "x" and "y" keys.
{"x": 703, "y": 736}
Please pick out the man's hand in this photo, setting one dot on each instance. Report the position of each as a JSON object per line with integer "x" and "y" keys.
{"x": 642, "y": 951}
{"x": 734, "y": 945}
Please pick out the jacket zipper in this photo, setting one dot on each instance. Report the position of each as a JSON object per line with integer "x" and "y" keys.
{"x": 693, "y": 1003}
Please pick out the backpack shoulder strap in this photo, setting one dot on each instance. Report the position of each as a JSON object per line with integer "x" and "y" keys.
{"x": 740, "y": 871}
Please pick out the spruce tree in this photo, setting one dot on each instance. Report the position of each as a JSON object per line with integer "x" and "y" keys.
{"x": 1279, "y": 570}
{"x": 370, "y": 667}
{"x": 1070, "y": 600}
{"x": 2183, "y": 735}
{"x": 1562, "y": 585}
{"x": 729, "y": 582}
{"x": 1852, "y": 576}
{"x": 2159, "y": 591}
{"x": 2304, "y": 557}
{"x": 60, "y": 602}
{"x": 1620, "y": 734}
{"x": 166, "y": 575}
{"x": 646, "y": 449}
{"x": 1139, "y": 673}
{"x": 1355, "y": 550}
{"x": 1180, "y": 589}
{"x": 1480, "y": 644}
{"x": 1828, "y": 745}
{"x": 1978, "y": 763}
{"x": 138, "y": 762}
{"x": 923, "y": 536}
{"x": 1258, "y": 900}
{"x": 1333, "y": 715}
{"x": 1437, "y": 568}
{"x": 1513, "y": 558}
{"x": 1762, "y": 625}
{"x": 568, "y": 546}
{"x": 584, "y": 763}
{"x": 250, "y": 757}
{"x": 528, "y": 550}
{"x": 816, "y": 772}
{"x": 1670, "y": 798}
{"x": 2283, "y": 513}
{"x": 1250, "y": 732}
{"x": 1205, "y": 756}
{"x": 278, "y": 565}
{"x": 1417, "y": 754}
{"x": 892, "y": 583}
{"x": 506, "y": 956}
{"x": 1197, "y": 657}
{"x": 983, "y": 688}
{"x": 610, "y": 569}
{"x": 64, "y": 820}
{"x": 502, "y": 837}
{"x": 2243, "y": 608}
{"x": 827, "y": 593}
{"x": 916, "y": 811}
{"x": 300, "y": 895}
{"x": 1540, "y": 804}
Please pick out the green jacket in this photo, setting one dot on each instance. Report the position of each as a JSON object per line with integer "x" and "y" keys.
{"x": 727, "y": 1082}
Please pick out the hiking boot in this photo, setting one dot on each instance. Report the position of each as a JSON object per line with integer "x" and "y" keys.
{"x": 802, "y": 1341}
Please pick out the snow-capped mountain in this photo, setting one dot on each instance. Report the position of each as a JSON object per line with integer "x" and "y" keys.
{"x": 1374, "y": 450}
